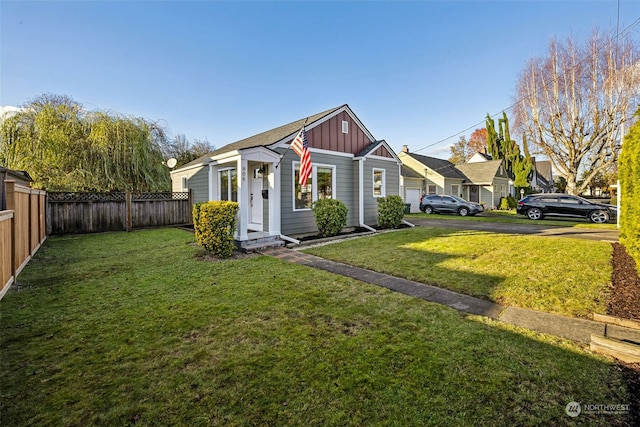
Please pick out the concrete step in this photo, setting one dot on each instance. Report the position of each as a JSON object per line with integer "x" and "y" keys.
{"x": 261, "y": 243}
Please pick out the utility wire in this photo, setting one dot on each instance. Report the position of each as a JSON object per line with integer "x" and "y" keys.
{"x": 617, "y": 36}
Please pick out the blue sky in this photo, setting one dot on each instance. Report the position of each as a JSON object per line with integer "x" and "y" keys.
{"x": 415, "y": 72}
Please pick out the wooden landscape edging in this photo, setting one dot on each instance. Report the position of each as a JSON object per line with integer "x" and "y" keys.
{"x": 620, "y": 340}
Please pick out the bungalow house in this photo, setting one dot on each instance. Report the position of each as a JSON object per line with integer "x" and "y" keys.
{"x": 482, "y": 180}
{"x": 542, "y": 177}
{"x": 261, "y": 174}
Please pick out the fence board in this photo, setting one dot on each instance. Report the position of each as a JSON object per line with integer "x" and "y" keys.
{"x": 22, "y": 230}
{"x": 99, "y": 212}
{"x": 6, "y": 250}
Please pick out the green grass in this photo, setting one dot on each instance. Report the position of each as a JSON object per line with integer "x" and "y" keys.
{"x": 556, "y": 275}
{"x": 139, "y": 328}
{"x": 510, "y": 217}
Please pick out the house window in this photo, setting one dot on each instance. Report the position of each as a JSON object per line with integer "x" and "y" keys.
{"x": 184, "y": 183}
{"x": 502, "y": 190}
{"x": 320, "y": 185}
{"x": 431, "y": 189}
{"x": 228, "y": 180}
{"x": 345, "y": 126}
{"x": 378, "y": 183}
{"x": 455, "y": 190}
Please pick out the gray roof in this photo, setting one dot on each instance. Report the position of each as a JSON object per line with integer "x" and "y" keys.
{"x": 265, "y": 138}
{"x": 480, "y": 172}
{"x": 441, "y": 166}
{"x": 407, "y": 172}
{"x": 543, "y": 169}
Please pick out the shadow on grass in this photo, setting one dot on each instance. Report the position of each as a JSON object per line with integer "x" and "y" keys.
{"x": 263, "y": 341}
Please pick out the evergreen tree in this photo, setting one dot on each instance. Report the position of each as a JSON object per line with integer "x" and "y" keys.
{"x": 501, "y": 146}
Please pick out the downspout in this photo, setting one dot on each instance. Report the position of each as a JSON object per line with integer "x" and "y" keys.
{"x": 361, "y": 196}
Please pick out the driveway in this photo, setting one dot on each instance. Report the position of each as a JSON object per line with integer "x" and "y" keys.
{"x": 533, "y": 229}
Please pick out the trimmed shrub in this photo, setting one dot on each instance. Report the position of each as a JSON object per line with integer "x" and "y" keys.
{"x": 214, "y": 224}
{"x": 331, "y": 216}
{"x": 512, "y": 202}
{"x": 390, "y": 211}
{"x": 629, "y": 173}
{"x": 504, "y": 204}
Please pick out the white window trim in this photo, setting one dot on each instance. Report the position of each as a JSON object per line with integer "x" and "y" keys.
{"x": 228, "y": 189}
{"x": 314, "y": 186}
{"x": 183, "y": 183}
{"x": 383, "y": 189}
{"x": 345, "y": 126}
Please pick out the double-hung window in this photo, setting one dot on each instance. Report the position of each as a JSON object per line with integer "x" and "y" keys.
{"x": 320, "y": 185}
{"x": 379, "y": 183}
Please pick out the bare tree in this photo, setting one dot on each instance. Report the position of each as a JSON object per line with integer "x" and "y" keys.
{"x": 574, "y": 102}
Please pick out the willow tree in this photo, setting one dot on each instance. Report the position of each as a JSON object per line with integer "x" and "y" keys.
{"x": 65, "y": 148}
{"x": 574, "y": 102}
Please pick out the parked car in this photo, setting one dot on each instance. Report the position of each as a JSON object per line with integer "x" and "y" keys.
{"x": 435, "y": 203}
{"x": 537, "y": 206}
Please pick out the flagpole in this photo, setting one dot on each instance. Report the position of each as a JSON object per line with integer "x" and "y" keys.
{"x": 289, "y": 147}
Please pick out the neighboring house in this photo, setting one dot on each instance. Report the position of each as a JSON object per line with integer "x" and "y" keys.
{"x": 542, "y": 177}
{"x": 411, "y": 184}
{"x": 261, "y": 174}
{"x": 20, "y": 177}
{"x": 482, "y": 181}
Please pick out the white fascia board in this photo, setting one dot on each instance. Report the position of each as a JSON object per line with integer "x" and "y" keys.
{"x": 229, "y": 156}
{"x": 183, "y": 169}
{"x": 260, "y": 154}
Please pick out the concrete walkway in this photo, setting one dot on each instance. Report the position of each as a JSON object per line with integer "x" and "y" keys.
{"x": 562, "y": 326}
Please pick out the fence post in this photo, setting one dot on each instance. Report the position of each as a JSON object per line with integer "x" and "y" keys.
{"x": 10, "y": 187}
{"x": 127, "y": 198}
{"x": 190, "y": 206}
{"x": 10, "y": 195}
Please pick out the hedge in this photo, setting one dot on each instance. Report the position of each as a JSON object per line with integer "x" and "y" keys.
{"x": 629, "y": 174}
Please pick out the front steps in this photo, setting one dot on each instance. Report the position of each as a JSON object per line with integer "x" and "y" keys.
{"x": 257, "y": 241}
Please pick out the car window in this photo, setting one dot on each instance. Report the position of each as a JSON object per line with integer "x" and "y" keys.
{"x": 447, "y": 199}
{"x": 567, "y": 199}
{"x": 547, "y": 199}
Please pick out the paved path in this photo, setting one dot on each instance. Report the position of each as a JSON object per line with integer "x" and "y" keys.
{"x": 532, "y": 229}
{"x": 553, "y": 324}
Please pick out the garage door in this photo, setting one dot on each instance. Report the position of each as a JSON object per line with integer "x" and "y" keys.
{"x": 413, "y": 197}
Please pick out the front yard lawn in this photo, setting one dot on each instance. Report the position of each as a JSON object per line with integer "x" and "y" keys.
{"x": 510, "y": 217}
{"x": 557, "y": 275}
{"x": 140, "y": 329}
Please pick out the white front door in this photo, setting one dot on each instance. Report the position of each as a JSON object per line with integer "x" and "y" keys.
{"x": 255, "y": 198}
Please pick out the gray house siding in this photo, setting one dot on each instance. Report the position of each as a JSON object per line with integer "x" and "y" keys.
{"x": 392, "y": 186}
{"x": 199, "y": 184}
{"x": 295, "y": 222}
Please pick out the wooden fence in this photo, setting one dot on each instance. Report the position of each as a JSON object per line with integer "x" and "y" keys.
{"x": 98, "y": 212}
{"x": 22, "y": 230}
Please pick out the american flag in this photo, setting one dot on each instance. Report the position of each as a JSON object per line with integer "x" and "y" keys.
{"x": 301, "y": 147}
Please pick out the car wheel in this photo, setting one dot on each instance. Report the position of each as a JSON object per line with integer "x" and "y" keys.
{"x": 463, "y": 211}
{"x": 428, "y": 210}
{"x": 599, "y": 217}
{"x": 534, "y": 213}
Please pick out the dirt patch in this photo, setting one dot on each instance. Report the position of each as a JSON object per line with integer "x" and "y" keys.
{"x": 625, "y": 303}
{"x": 625, "y": 293}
